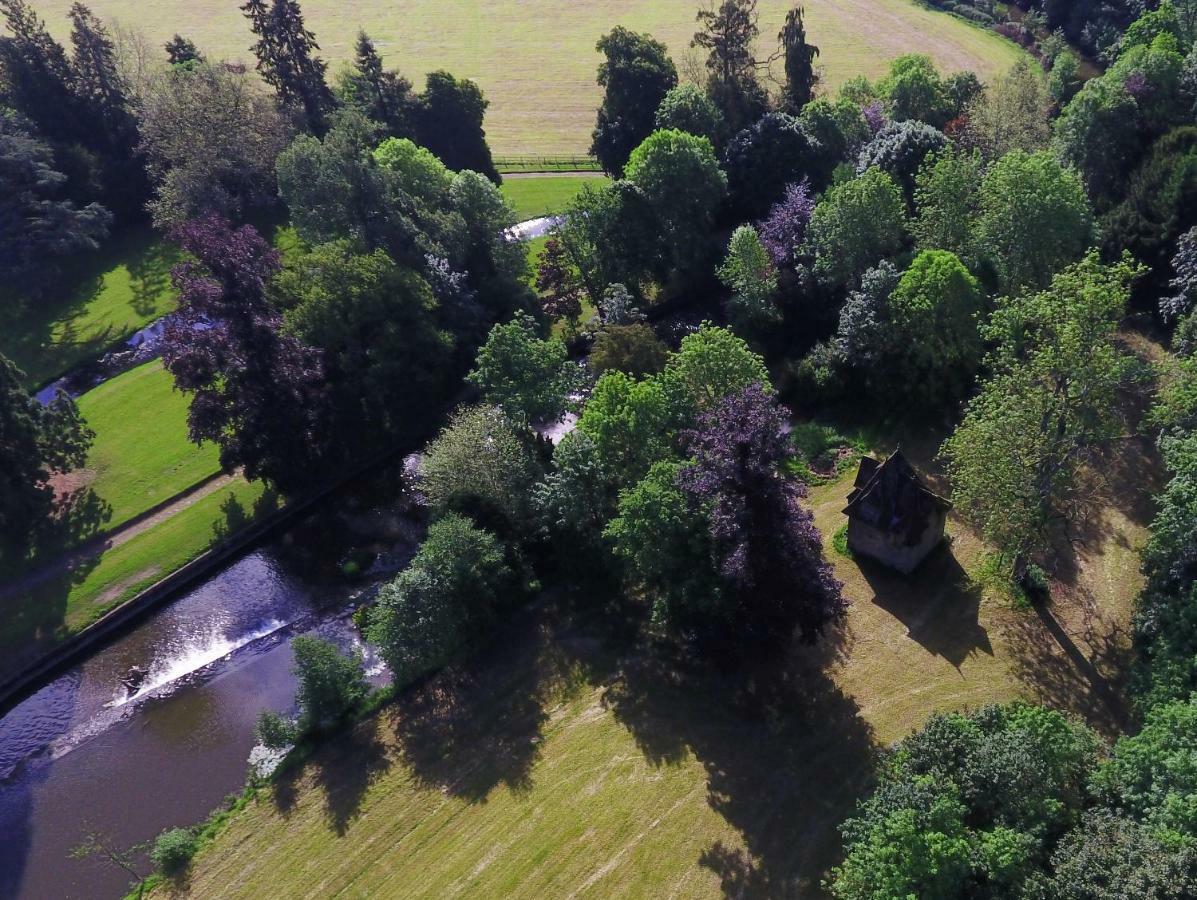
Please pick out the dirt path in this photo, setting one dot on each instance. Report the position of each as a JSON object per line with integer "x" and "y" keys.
{"x": 97, "y": 545}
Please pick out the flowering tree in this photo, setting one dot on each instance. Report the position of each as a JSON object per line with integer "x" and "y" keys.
{"x": 256, "y": 392}
{"x": 766, "y": 545}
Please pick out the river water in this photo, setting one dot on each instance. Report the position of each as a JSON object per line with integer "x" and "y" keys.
{"x": 80, "y": 754}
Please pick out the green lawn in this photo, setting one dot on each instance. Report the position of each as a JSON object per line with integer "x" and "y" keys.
{"x": 535, "y": 59}
{"x": 34, "y": 621}
{"x": 100, "y": 299}
{"x": 545, "y": 195}
{"x": 141, "y": 455}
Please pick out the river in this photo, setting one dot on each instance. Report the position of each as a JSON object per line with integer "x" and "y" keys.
{"x": 81, "y": 755}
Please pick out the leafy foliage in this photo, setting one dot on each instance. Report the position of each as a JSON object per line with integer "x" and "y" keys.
{"x": 763, "y": 159}
{"x": 331, "y": 684}
{"x": 529, "y": 378}
{"x": 855, "y": 225}
{"x": 637, "y": 75}
{"x": 686, "y": 108}
{"x": 634, "y": 349}
{"x": 748, "y": 273}
{"x": 783, "y": 231}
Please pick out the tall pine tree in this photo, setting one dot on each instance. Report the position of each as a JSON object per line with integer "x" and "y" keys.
{"x": 385, "y": 97}
{"x": 799, "y": 62}
{"x": 287, "y": 63}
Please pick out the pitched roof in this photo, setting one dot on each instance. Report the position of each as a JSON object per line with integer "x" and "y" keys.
{"x": 891, "y": 497}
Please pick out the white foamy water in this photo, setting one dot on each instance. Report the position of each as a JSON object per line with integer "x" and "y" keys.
{"x": 198, "y": 655}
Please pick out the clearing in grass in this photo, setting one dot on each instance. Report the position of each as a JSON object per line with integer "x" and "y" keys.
{"x": 535, "y": 59}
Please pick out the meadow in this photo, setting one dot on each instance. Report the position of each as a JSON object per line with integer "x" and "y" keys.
{"x": 535, "y": 59}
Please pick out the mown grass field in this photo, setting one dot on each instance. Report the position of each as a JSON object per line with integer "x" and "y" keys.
{"x": 98, "y": 300}
{"x": 535, "y": 59}
{"x": 563, "y": 763}
{"x": 542, "y": 195}
{"x": 141, "y": 455}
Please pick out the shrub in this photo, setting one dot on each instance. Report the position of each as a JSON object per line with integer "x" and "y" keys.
{"x": 173, "y": 850}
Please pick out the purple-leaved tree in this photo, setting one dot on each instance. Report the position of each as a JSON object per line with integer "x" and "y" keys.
{"x": 765, "y": 542}
{"x": 256, "y": 392}
{"x": 784, "y": 229}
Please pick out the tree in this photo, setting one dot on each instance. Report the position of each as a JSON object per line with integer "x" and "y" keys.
{"x": 761, "y": 160}
{"x": 633, "y": 349}
{"x": 528, "y": 377}
{"x": 629, "y": 425}
{"x": 382, "y": 96}
{"x": 687, "y": 108}
{"x": 376, "y": 325}
{"x": 36, "y": 224}
{"x": 768, "y": 551}
{"x": 173, "y": 850}
{"x": 618, "y": 307}
{"x": 855, "y": 225}
{"x": 37, "y": 76}
{"x": 37, "y": 441}
{"x": 331, "y": 684}
{"x": 748, "y": 273}
{"x": 449, "y": 123}
{"x": 256, "y": 392}
{"x": 783, "y": 231}
{"x": 1011, "y": 114}
{"x": 613, "y": 235}
{"x": 839, "y": 127}
{"x": 683, "y": 184}
{"x": 799, "y": 62}
{"x": 210, "y": 139}
{"x": 575, "y": 501}
{"x": 914, "y": 90}
{"x": 286, "y": 61}
{"x": 1064, "y": 79}
{"x": 180, "y": 51}
{"x": 729, "y": 32}
{"x": 948, "y": 204}
{"x": 934, "y": 311}
{"x": 711, "y": 364}
{"x": 445, "y": 600}
{"x": 1184, "y": 282}
{"x": 636, "y": 75}
{"x": 1048, "y": 405}
{"x": 1034, "y": 219}
{"x": 481, "y": 466}
{"x": 899, "y": 149}
{"x": 558, "y": 283}
{"x": 864, "y": 335}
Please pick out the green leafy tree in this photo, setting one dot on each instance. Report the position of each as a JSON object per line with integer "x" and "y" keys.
{"x": 629, "y": 424}
{"x": 443, "y": 602}
{"x": 687, "y": 108}
{"x": 684, "y": 185}
{"x": 934, "y": 312}
{"x": 449, "y": 121}
{"x": 173, "y": 850}
{"x": 633, "y": 349}
{"x": 376, "y": 325}
{"x": 1048, "y": 405}
{"x": 1034, "y": 219}
{"x": 37, "y": 441}
{"x": 855, "y": 225}
{"x": 636, "y": 76}
{"x": 1011, "y": 114}
{"x": 839, "y": 128}
{"x": 575, "y": 501}
{"x": 181, "y": 51}
{"x": 480, "y": 465}
{"x": 331, "y": 684}
{"x": 710, "y": 364}
{"x": 528, "y": 377}
{"x": 914, "y": 90}
{"x": 748, "y": 273}
{"x": 948, "y": 203}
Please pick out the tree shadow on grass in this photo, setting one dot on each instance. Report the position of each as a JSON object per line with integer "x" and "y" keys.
{"x": 477, "y": 726}
{"x": 938, "y": 603}
{"x": 235, "y": 516}
{"x": 149, "y": 277}
{"x": 786, "y": 753}
{"x": 346, "y": 770}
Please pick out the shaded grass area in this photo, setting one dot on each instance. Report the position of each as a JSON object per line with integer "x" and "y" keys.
{"x": 542, "y": 196}
{"x": 536, "y": 59}
{"x": 98, "y": 300}
{"x": 33, "y": 621}
{"x": 141, "y": 455}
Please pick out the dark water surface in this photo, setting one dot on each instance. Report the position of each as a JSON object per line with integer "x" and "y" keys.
{"x": 81, "y": 755}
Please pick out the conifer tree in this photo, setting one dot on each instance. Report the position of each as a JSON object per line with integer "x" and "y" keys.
{"x": 287, "y": 63}
{"x": 799, "y": 62}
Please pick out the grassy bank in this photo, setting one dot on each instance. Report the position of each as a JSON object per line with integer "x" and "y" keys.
{"x": 535, "y": 59}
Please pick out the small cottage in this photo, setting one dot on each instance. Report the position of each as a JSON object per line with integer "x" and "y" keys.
{"x": 893, "y": 517}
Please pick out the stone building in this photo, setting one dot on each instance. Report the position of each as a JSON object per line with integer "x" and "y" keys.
{"x": 893, "y": 517}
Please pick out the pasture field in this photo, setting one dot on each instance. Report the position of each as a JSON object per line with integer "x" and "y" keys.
{"x": 567, "y": 762}
{"x": 542, "y": 195}
{"x": 535, "y": 59}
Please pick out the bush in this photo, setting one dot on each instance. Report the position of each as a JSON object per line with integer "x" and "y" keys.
{"x": 173, "y": 850}
{"x": 331, "y": 684}
{"x": 274, "y": 731}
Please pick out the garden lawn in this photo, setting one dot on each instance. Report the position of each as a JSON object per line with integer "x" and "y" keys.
{"x": 535, "y": 59}
{"x": 543, "y": 195}
{"x": 54, "y": 609}
{"x": 141, "y": 455}
{"x": 99, "y": 300}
